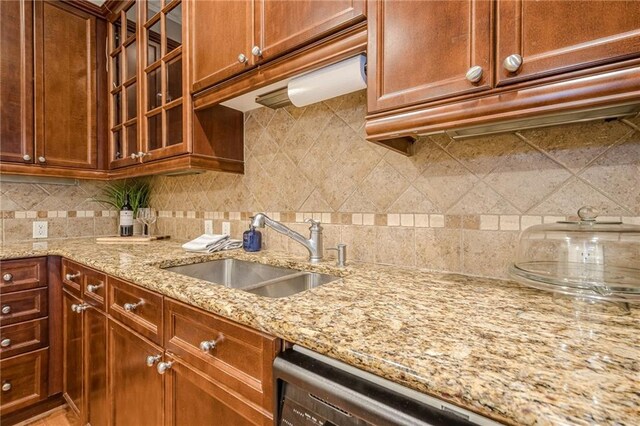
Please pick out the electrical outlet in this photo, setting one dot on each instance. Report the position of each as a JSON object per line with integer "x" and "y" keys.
{"x": 40, "y": 229}
{"x": 208, "y": 227}
{"x": 226, "y": 228}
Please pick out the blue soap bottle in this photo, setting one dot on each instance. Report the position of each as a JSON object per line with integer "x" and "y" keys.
{"x": 252, "y": 240}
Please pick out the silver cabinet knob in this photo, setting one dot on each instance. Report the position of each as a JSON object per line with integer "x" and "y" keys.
{"x": 5, "y": 343}
{"x": 78, "y": 309}
{"x": 6, "y": 387}
{"x": 162, "y": 367}
{"x": 7, "y": 277}
{"x": 42, "y": 159}
{"x": 207, "y": 345}
{"x": 256, "y": 51}
{"x": 513, "y": 62}
{"x": 242, "y": 58}
{"x": 152, "y": 359}
{"x": 71, "y": 277}
{"x": 26, "y": 157}
{"x": 474, "y": 74}
{"x": 6, "y": 309}
{"x": 91, "y": 288}
{"x": 130, "y": 307}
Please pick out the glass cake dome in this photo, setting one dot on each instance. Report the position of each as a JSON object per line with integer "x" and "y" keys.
{"x": 587, "y": 258}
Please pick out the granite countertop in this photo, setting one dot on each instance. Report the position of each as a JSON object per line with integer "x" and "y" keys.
{"x": 504, "y": 351}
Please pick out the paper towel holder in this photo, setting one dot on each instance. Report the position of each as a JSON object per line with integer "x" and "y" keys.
{"x": 355, "y": 67}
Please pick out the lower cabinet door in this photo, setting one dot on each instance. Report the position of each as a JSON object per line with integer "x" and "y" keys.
{"x": 24, "y": 380}
{"x": 72, "y": 351}
{"x": 97, "y": 407}
{"x": 137, "y": 390}
{"x": 195, "y": 399}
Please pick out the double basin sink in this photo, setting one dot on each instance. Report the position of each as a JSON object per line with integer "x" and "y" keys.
{"x": 256, "y": 278}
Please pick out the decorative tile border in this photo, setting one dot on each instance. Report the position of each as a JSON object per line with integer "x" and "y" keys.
{"x": 407, "y": 220}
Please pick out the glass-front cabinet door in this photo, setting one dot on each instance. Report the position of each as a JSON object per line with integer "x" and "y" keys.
{"x": 163, "y": 90}
{"x": 123, "y": 75}
{"x": 148, "y": 111}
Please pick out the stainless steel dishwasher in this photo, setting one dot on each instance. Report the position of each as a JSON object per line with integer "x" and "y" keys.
{"x": 314, "y": 390}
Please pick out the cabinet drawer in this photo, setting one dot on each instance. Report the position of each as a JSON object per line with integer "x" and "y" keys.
{"x": 94, "y": 288}
{"x": 23, "y": 306}
{"x": 72, "y": 276}
{"x": 137, "y": 308}
{"x": 23, "y": 337}
{"x": 25, "y": 376}
{"x": 241, "y": 359}
{"x": 23, "y": 274}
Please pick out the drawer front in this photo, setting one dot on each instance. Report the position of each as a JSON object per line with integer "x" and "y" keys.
{"x": 24, "y": 380}
{"x": 24, "y": 337}
{"x": 137, "y": 308}
{"x": 94, "y": 288}
{"x": 241, "y": 359}
{"x": 23, "y": 306}
{"x": 23, "y": 274}
{"x": 72, "y": 277}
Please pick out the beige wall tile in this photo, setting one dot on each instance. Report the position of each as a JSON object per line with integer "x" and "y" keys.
{"x": 439, "y": 249}
{"x": 360, "y": 241}
{"x": 488, "y": 253}
{"x": 395, "y": 246}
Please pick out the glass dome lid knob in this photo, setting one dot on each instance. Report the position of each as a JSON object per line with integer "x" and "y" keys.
{"x": 588, "y": 214}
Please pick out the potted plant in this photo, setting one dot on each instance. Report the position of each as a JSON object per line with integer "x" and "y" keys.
{"x": 114, "y": 194}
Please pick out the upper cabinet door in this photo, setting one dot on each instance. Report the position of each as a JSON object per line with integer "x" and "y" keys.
{"x": 65, "y": 102}
{"x": 16, "y": 81}
{"x": 222, "y": 37}
{"x": 421, "y": 51}
{"x": 552, "y": 37}
{"x": 283, "y": 25}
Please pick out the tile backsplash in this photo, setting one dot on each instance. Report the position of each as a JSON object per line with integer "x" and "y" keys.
{"x": 456, "y": 205}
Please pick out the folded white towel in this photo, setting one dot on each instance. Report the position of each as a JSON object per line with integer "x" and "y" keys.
{"x": 209, "y": 243}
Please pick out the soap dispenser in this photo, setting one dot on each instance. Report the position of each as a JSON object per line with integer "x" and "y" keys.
{"x": 252, "y": 240}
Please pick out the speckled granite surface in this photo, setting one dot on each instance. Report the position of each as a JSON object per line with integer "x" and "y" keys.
{"x": 493, "y": 347}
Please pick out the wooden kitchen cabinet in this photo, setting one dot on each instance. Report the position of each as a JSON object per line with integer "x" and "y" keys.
{"x": 219, "y": 51}
{"x": 95, "y": 368}
{"x": 65, "y": 87}
{"x": 85, "y": 343}
{"x": 420, "y": 51}
{"x": 184, "y": 385}
{"x": 553, "y": 37}
{"x": 16, "y": 81}
{"x": 136, "y": 389}
{"x": 230, "y": 37}
{"x": 72, "y": 342}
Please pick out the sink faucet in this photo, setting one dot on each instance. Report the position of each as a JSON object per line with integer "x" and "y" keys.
{"x": 313, "y": 244}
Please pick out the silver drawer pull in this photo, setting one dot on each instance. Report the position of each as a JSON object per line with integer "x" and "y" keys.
{"x": 78, "y": 309}
{"x": 152, "y": 359}
{"x": 6, "y": 309}
{"x": 164, "y": 366}
{"x": 5, "y": 343}
{"x": 71, "y": 277}
{"x": 207, "y": 345}
{"x": 7, "y": 277}
{"x": 91, "y": 288}
{"x": 6, "y": 387}
{"x": 130, "y": 307}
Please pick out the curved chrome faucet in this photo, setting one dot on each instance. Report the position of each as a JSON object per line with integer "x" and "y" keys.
{"x": 313, "y": 244}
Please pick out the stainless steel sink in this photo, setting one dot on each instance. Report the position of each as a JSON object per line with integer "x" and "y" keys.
{"x": 232, "y": 273}
{"x": 263, "y": 280}
{"x": 293, "y": 284}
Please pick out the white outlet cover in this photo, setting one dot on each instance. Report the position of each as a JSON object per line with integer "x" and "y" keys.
{"x": 208, "y": 227}
{"x": 226, "y": 228}
{"x": 40, "y": 229}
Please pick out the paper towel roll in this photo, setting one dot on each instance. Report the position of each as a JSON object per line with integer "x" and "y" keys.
{"x": 329, "y": 82}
